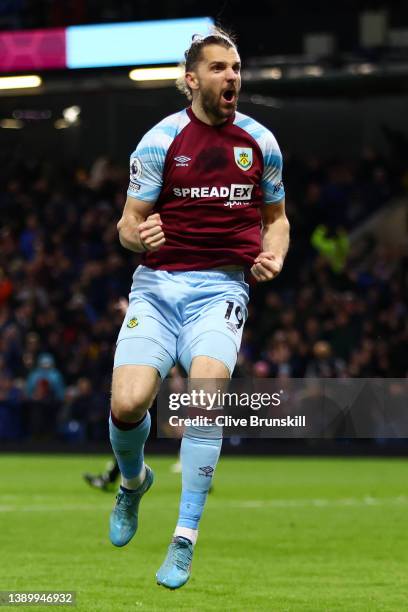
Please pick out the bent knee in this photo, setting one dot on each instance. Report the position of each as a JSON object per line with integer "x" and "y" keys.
{"x": 133, "y": 391}
{"x": 130, "y": 407}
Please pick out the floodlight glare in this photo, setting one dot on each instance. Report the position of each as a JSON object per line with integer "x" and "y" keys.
{"x": 71, "y": 113}
{"x": 168, "y": 73}
{"x": 20, "y": 82}
{"x": 11, "y": 124}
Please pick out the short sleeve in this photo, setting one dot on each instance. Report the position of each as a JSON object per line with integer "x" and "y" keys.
{"x": 271, "y": 182}
{"x": 146, "y": 168}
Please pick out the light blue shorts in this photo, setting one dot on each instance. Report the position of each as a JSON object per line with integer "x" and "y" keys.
{"x": 176, "y": 316}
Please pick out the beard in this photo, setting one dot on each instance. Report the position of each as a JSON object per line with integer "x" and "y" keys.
{"x": 214, "y": 106}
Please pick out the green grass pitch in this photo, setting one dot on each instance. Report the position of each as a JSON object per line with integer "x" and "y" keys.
{"x": 284, "y": 534}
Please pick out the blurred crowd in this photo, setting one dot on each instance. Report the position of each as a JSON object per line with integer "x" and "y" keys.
{"x": 63, "y": 275}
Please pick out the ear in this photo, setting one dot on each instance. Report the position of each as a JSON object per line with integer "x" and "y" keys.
{"x": 191, "y": 80}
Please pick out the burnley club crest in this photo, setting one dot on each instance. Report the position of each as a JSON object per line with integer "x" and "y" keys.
{"x": 243, "y": 157}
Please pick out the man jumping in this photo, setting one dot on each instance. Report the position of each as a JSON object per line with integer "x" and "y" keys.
{"x": 205, "y": 202}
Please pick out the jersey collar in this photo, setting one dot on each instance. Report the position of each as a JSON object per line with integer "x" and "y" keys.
{"x": 195, "y": 119}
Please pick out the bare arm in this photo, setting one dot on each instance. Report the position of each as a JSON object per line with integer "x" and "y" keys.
{"x": 138, "y": 229}
{"x": 275, "y": 242}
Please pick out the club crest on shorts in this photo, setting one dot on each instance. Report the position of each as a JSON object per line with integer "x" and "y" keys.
{"x": 243, "y": 157}
{"x": 133, "y": 322}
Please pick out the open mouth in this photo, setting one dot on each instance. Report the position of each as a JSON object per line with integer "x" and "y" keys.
{"x": 229, "y": 95}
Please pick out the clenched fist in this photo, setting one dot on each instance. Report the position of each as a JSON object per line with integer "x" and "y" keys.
{"x": 151, "y": 233}
{"x": 266, "y": 266}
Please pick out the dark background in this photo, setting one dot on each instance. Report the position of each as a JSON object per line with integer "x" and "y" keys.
{"x": 344, "y": 136}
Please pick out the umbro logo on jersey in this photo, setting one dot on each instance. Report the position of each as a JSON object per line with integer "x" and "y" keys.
{"x": 182, "y": 160}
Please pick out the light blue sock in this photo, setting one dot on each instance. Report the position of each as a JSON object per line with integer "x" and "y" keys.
{"x": 128, "y": 446}
{"x": 200, "y": 450}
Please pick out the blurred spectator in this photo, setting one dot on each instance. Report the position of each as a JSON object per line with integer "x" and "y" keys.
{"x": 45, "y": 381}
{"x": 45, "y": 393}
{"x": 334, "y": 246}
{"x": 322, "y": 364}
{"x": 6, "y": 288}
{"x": 11, "y": 421}
{"x": 87, "y": 409}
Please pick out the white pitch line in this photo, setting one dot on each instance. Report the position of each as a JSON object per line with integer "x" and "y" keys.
{"x": 320, "y": 503}
{"x": 249, "y": 504}
{"x": 62, "y": 508}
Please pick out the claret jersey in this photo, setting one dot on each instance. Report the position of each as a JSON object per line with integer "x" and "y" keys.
{"x": 208, "y": 184}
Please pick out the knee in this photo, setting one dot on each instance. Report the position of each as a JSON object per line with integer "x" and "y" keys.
{"x": 130, "y": 407}
{"x": 209, "y": 367}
